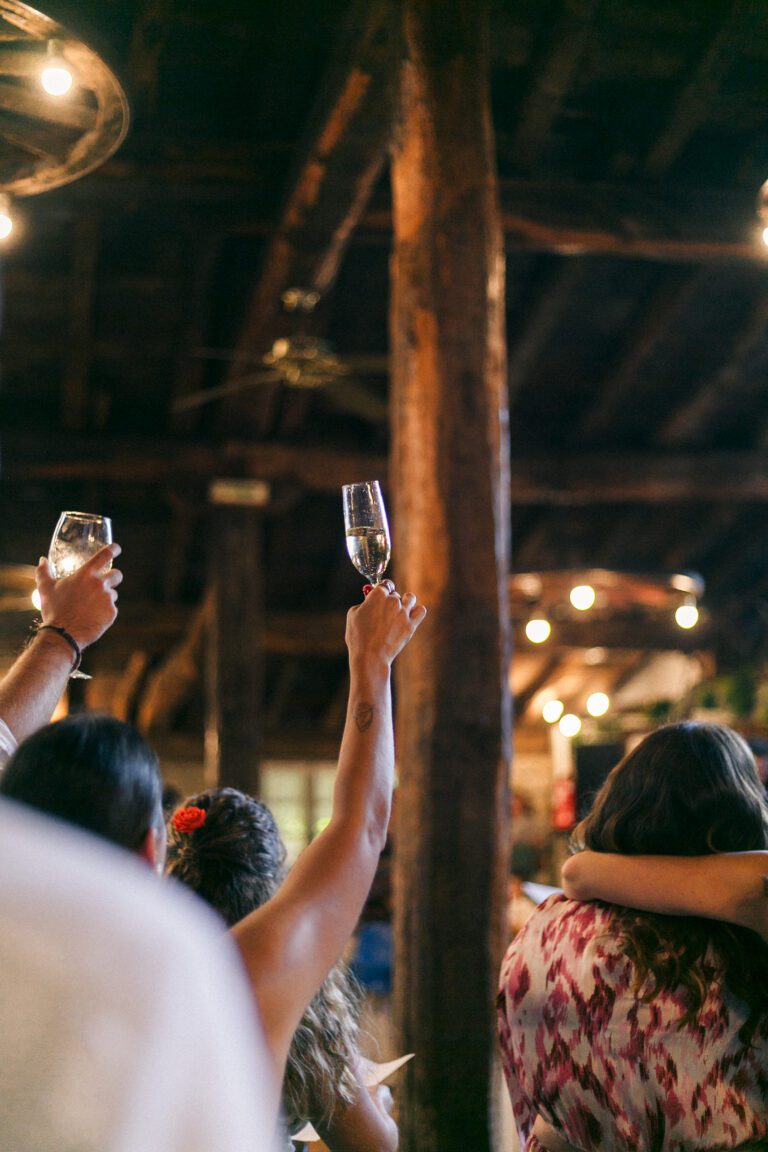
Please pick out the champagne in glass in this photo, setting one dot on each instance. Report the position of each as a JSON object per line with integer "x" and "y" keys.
{"x": 365, "y": 523}
{"x": 77, "y": 537}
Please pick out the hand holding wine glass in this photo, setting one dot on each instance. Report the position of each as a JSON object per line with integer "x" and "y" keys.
{"x": 367, "y": 530}
{"x": 76, "y": 583}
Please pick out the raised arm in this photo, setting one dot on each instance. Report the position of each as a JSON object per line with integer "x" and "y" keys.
{"x": 83, "y": 604}
{"x": 725, "y": 886}
{"x": 291, "y": 942}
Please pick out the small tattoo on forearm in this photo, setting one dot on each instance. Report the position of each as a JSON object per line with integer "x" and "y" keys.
{"x": 363, "y": 716}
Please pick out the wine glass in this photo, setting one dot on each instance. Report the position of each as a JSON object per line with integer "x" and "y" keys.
{"x": 77, "y": 537}
{"x": 365, "y": 523}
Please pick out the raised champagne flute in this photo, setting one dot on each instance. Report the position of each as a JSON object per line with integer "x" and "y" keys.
{"x": 77, "y": 537}
{"x": 365, "y": 523}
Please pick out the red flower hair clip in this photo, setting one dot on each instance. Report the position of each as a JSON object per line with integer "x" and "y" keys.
{"x": 188, "y": 819}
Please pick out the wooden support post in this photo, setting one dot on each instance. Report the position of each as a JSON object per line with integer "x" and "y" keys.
{"x": 234, "y": 736}
{"x": 450, "y": 483}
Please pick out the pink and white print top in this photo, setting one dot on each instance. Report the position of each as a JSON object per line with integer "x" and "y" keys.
{"x": 608, "y": 1071}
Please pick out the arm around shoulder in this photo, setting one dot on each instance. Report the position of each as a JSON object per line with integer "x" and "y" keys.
{"x": 727, "y": 886}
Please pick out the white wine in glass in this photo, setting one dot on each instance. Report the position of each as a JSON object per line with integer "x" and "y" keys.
{"x": 365, "y": 523}
{"x": 77, "y": 537}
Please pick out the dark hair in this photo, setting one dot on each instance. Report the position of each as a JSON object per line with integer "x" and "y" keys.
{"x": 93, "y": 771}
{"x": 235, "y": 860}
{"x": 687, "y": 789}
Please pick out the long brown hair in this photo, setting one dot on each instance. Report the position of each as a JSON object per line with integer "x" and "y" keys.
{"x": 687, "y": 789}
{"x": 235, "y": 860}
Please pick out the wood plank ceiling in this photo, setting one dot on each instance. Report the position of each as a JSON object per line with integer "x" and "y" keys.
{"x": 632, "y": 140}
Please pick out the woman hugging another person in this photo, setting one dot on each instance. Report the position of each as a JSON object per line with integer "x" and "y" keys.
{"x": 645, "y": 1030}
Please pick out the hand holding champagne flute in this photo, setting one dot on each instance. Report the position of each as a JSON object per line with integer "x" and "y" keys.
{"x": 367, "y": 530}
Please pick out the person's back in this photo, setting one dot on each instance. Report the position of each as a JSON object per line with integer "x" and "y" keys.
{"x": 610, "y": 1067}
{"x": 110, "y": 1040}
{"x": 633, "y": 1032}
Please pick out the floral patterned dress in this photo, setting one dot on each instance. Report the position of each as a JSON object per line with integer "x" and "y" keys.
{"x": 608, "y": 1071}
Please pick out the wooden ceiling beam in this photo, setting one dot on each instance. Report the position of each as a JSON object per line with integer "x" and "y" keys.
{"x": 151, "y": 29}
{"x": 699, "y": 412}
{"x": 698, "y": 96}
{"x": 575, "y": 31}
{"x": 541, "y": 677}
{"x": 80, "y": 305}
{"x": 542, "y": 318}
{"x": 569, "y": 217}
{"x": 554, "y": 480}
{"x": 661, "y": 314}
{"x": 343, "y": 156}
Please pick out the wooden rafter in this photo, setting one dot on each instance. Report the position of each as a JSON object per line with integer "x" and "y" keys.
{"x": 85, "y": 254}
{"x": 190, "y": 369}
{"x": 570, "y": 217}
{"x": 151, "y": 29}
{"x": 540, "y": 678}
{"x": 544, "y": 101}
{"x": 540, "y": 323}
{"x": 701, "y": 91}
{"x": 730, "y": 382}
{"x": 659, "y": 316}
{"x": 559, "y": 480}
{"x": 342, "y": 159}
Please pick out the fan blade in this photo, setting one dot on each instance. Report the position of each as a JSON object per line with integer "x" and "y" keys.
{"x": 205, "y": 395}
{"x": 226, "y": 354}
{"x": 354, "y": 398}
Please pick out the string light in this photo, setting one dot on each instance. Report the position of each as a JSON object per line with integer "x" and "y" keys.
{"x": 538, "y": 629}
{"x": 582, "y": 597}
{"x": 552, "y": 711}
{"x": 56, "y": 76}
{"x": 598, "y": 704}
{"x": 6, "y": 220}
{"x": 687, "y": 615}
{"x": 570, "y": 725}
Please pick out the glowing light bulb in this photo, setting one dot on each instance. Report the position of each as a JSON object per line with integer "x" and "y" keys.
{"x": 36, "y": 600}
{"x": 552, "y": 711}
{"x": 765, "y": 236}
{"x": 687, "y": 615}
{"x": 582, "y": 597}
{"x": 598, "y": 704}
{"x": 56, "y": 79}
{"x": 538, "y": 629}
{"x": 6, "y": 224}
{"x": 570, "y": 725}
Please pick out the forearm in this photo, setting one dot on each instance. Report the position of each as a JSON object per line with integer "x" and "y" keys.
{"x": 31, "y": 689}
{"x": 723, "y": 886}
{"x": 362, "y": 796}
{"x": 291, "y": 942}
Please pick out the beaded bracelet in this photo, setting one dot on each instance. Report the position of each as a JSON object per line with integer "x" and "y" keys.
{"x": 70, "y": 640}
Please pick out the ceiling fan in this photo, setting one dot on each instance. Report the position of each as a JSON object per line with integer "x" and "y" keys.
{"x": 300, "y": 361}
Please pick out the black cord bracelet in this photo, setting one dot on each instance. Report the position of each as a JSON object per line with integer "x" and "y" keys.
{"x": 69, "y": 639}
